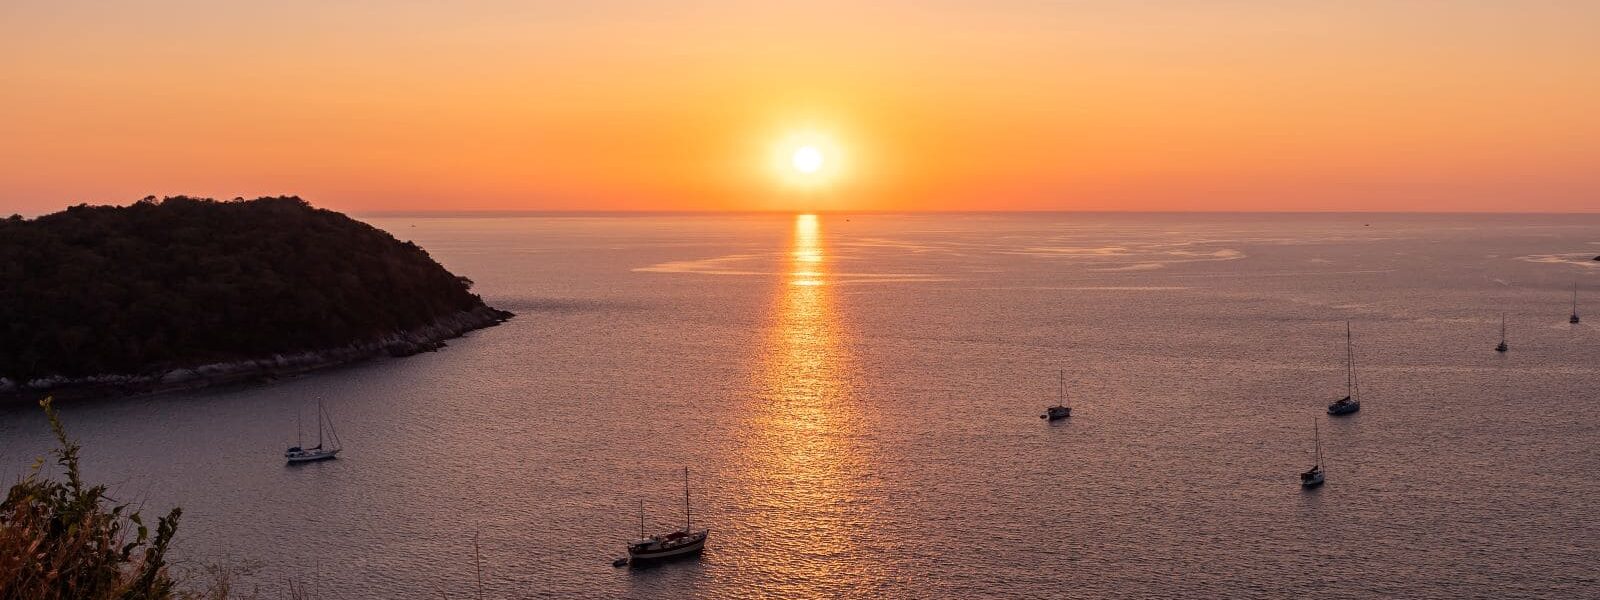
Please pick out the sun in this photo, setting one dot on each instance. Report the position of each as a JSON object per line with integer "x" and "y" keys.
{"x": 807, "y": 159}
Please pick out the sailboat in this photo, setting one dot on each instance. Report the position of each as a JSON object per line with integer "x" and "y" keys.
{"x": 1060, "y": 410}
{"x": 1502, "y": 347}
{"x": 298, "y": 453}
{"x": 1351, "y": 401}
{"x": 1574, "y": 320}
{"x": 1314, "y": 476}
{"x": 683, "y": 542}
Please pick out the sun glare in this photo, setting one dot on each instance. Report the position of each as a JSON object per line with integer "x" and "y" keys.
{"x": 807, "y": 159}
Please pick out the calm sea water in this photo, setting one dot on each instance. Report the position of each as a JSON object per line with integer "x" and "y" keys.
{"x": 857, "y": 398}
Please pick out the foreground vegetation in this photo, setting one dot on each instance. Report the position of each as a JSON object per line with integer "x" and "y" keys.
{"x": 63, "y": 539}
{"x": 68, "y": 541}
{"x": 179, "y": 282}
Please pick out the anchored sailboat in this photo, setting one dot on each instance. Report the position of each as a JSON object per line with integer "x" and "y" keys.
{"x": 1314, "y": 476}
{"x": 1351, "y": 401}
{"x": 1502, "y": 347}
{"x": 1060, "y": 410}
{"x": 1574, "y": 320}
{"x": 298, "y": 453}
{"x": 683, "y": 542}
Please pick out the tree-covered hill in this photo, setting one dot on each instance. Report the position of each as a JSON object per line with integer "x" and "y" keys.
{"x": 179, "y": 282}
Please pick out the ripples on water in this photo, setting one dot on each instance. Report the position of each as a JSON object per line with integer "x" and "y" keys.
{"x": 857, "y": 398}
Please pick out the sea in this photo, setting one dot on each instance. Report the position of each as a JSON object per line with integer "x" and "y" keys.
{"x": 856, "y": 399}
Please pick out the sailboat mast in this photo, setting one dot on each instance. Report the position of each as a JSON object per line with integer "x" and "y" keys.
{"x": 1316, "y": 432}
{"x": 299, "y": 427}
{"x": 1502, "y": 328}
{"x": 1349, "y": 363}
{"x": 334, "y": 433}
{"x": 319, "y": 422}
{"x": 686, "y": 520}
{"x": 1061, "y": 387}
{"x": 641, "y": 519}
{"x": 1574, "y": 298}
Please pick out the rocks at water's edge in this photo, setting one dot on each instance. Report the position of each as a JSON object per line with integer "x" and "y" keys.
{"x": 267, "y": 368}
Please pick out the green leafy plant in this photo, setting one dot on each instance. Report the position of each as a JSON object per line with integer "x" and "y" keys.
{"x": 68, "y": 540}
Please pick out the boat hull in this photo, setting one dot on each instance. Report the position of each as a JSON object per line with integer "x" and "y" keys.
{"x": 1056, "y": 413}
{"x": 1311, "y": 483}
{"x": 1344, "y": 409}
{"x": 305, "y": 457}
{"x": 687, "y": 549}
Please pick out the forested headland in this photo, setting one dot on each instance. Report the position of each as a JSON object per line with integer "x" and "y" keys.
{"x": 181, "y": 290}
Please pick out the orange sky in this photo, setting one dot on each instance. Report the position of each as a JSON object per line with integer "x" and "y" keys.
{"x": 934, "y": 104}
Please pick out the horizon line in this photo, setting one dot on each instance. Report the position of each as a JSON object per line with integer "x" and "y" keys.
{"x": 562, "y": 212}
{"x": 693, "y": 212}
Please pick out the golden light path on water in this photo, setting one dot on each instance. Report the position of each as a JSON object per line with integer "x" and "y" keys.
{"x": 808, "y": 475}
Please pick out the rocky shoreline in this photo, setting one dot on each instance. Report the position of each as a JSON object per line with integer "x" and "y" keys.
{"x": 268, "y": 368}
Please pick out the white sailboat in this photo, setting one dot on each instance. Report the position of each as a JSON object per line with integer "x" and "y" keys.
{"x": 1351, "y": 401}
{"x": 683, "y": 542}
{"x": 1502, "y": 347}
{"x": 1060, "y": 410}
{"x": 298, "y": 453}
{"x": 1315, "y": 475}
{"x": 1574, "y": 320}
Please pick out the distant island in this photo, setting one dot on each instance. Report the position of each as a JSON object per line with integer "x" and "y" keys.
{"x": 186, "y": 292}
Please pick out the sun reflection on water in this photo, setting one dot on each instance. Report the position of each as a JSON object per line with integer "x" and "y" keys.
{"x": 806, "y": 267}
{"x": 807, "y": 467}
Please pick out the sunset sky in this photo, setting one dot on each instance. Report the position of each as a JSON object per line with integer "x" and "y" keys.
{"x": 928, "y": 105}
